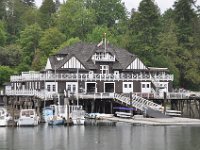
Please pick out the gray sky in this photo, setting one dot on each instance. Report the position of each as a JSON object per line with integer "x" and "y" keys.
{"x": 162, "y": 4}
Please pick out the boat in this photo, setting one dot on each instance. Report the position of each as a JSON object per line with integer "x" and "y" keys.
{"x": 4, "y": 117}
{"x": 78, "y": 117}
{"x": 56, "y": 120}
{"x": 123, "y": 114}
{"x": 28, "y": 117}
{"x": 47, "y": 112}
{"x": 91, "y": 115}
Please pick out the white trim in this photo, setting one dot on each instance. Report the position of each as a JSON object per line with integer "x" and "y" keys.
{"x": 73, "y": 62}
{"x": 137, "y": 64}
{"x": 104, "y": 68}
{"x": 72, "y": 84}
{"x": 128, "y": 89}
{"x": 48, "y": 65}
{"x": 145, "y": 89}
{"x": 105, "y": 86}
{"x": 51, "y": 84}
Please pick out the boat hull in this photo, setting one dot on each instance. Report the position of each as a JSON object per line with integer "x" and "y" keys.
{"x": 56, "y": 122}
{"x": 27, "y": 122}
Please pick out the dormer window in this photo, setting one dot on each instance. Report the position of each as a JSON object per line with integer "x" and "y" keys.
{"x": 59, "y": 58}
{"x": 104, "y": 69}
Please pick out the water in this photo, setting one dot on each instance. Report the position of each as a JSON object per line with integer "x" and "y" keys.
{"x": 101, "y": 136}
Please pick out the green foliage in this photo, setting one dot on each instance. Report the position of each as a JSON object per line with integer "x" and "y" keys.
{"x": 66, "y": 44}
{"x": 3, "y": 35}
{"x": 45, "y": 13}
{"x": 10, "y": 55}
{"x": 29, "y": 41}
{"x": 107, "y": 11}
{"x": 5, "y": 73}
{"x": 28, "y": 35}
{"x": 75, "y": 20}
{"x": 144, "y": 28}
{"x": 51, "y": 39}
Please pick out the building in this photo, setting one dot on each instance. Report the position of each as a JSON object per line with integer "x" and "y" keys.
{"x": 87, "y": 71}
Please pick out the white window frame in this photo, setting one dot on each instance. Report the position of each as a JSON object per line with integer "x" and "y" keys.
{"x": 72, "y": 84}
{"x": 127, "y": 89}
{"x": 91, "y": 82}
{"x": 145, "y": 89}
{"x": 104, "y": 68}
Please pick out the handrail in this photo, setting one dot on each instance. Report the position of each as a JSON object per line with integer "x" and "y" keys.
{"x": 90, "y": 77}
{"x": 138, "y": 102}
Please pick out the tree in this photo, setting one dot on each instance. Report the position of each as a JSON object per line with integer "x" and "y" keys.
{"x": 107, "y": 12}
{"x": 5, "y": 73}
{"x": 46, "y": 10}
{"x": 3, "y": 34}
{"x": 184, "y": 15}
{"x": 29, "y": 41}
{"x": 10, "y": 55}
{"x": 75, "y": 20}
{"x": 51, "y": 39}
{"x": 144, "y": 28}
{"x": 2, "y": 9}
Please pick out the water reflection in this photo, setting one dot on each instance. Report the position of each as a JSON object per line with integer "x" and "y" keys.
{"x": 101, "y": 136}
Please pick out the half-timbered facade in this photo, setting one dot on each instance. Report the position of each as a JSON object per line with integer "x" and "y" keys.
{"x": 87, "y": 71}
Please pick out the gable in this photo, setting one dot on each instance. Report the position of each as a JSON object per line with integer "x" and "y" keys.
{"x": 136, "y": 64}
{"x": 73, "y": 62}
{"x": 48, "y": 65}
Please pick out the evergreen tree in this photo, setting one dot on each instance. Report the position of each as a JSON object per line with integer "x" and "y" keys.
{"x": 184, "y": 15}
{"x": 144, "y": 28}
{"x": 47, "y": 9}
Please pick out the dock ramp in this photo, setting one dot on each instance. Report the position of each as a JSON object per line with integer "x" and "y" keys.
{"x": 147, "y": 107}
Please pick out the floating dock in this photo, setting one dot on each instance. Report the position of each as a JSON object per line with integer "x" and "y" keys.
{"x": 157, "y": 121}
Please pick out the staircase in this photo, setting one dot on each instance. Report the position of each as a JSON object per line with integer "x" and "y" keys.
{"x": 147, "y": 107}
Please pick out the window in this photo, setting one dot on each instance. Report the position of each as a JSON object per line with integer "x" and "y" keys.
{"x": 125, "y": 85}
{"x": 48, "y": 88}
{"x": 53, "y": 88}
{"x": 104, "y": 69}
{"x": 130, "y": 85}
{"x": 143, "y": 85}
{"x": 69, "y": 87}
{"x": 74, "y": 88}
{"x": 147, "y": 85}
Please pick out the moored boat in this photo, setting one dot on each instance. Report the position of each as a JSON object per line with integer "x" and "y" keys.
{"x": 28, "y": 117}
{"x": 56, "y": 120}
{"x": 4, "y": 117}
{"x": 78, "y": 117}
{"x": 47, "y": 112}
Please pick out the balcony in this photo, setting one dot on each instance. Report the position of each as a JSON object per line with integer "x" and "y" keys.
{"x": 103, "y": 57}
{"x": 90, "y": 77}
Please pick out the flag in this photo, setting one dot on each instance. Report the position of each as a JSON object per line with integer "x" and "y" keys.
{"x": 100, "y": 43}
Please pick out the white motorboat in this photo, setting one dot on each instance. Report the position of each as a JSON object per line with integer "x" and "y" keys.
{"x": 28, "y": 117}
{"x": 78, "y": 117}
{"x": 4, "y": 117}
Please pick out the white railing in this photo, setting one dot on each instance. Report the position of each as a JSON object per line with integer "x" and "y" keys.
{"x": 103, "y": 57}
{"x": 90, "y": 77}
{"x": 138, "y": 102}
{"x": 40, "y": 94}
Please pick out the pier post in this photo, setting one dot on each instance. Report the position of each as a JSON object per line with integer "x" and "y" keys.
{"x": 165, "y": 100}
{"x": 111, "y": 106}
{"x": 131, "y": 103}
{"x": 92, "y": 106}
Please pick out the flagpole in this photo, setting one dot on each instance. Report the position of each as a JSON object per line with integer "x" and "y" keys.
{"x": 105, "y": 41}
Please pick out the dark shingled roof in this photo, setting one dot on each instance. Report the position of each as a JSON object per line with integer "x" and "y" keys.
{"x": 84, "y": 51}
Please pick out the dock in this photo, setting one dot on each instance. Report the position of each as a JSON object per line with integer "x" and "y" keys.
{"x": 157, "y": 121}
